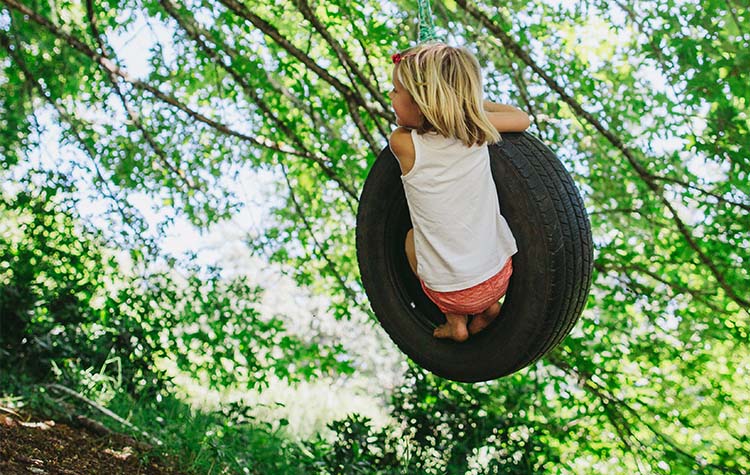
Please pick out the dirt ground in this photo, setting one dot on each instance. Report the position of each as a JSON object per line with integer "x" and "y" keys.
{"x": 48, "y": 447}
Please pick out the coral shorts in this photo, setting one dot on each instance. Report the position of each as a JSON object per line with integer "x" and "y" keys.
{"x": 475, "y": 299}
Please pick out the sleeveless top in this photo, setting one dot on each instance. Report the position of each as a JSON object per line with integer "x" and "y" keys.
{"x": 460, "y": 237}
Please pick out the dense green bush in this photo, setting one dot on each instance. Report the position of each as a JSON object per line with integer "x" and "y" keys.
{"x": 69, "y": 311}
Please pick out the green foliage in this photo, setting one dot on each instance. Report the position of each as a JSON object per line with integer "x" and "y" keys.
{"x": 357, "y": 448}
{"x": 444, "y": 427}
{"x": 645, "y": 102}
{"x": 50, "y": 280}
{"x": 487, "y": 428}
{"x": 68, "y": 308}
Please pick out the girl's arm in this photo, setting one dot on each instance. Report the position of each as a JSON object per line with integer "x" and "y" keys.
{"x": 506, "y": 118}
{"x": 402, "y": 147}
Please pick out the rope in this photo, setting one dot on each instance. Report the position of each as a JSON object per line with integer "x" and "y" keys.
{"x": 426, "y": 23}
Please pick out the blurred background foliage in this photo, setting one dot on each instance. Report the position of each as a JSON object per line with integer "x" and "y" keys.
{"x": 127, "y": 123}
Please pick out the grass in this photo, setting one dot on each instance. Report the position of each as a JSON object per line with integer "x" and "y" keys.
{"x": 228, "y": 438}
{"x": 197, "y": 442}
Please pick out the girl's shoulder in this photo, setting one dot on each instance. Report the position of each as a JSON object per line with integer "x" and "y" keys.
{"x": 401, "y": 141}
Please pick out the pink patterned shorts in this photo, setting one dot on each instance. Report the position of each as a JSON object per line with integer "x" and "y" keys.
{"x": 475, "y": 299}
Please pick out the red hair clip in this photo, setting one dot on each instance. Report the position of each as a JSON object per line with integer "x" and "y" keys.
{"x": 398, "y": 57}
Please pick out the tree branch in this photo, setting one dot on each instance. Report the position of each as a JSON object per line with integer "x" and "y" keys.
{"x": 677, "y": 288}
{"x": 690, "y": 186}
{"x": 352, "y": 98}
{"x": 195, "y": 32}
{"x": 126, "y": 217}
{"x": 111, "y": 67}
{"x": 586, "y": 382}
{"x": 621, "y": 427}
{"x": 113, "y": 78}
{"x": 665, "y": 65}
{"x": 616, "y": 141}
{"x": 329, "y": 263}
{"x": 347, "y": 62}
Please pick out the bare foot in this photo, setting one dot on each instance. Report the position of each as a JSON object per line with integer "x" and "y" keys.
{"x": 482, "y": 320}
{"x": 454, "y": 328}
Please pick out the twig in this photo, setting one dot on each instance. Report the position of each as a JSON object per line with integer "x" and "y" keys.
{"x": 106, "y": 52}
{"x": 349, "y": 64}
{"x": 586, "y": 382}
{"x": 112, "y": 68}
{"x": 352, "y": 97}
{"x": 92, "y": 425}
{"x": 331, "y": 265}
{"x": 76, "y": 131}
{"x": 10, "y": 411}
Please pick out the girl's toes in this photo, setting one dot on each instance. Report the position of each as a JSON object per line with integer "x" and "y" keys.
{"x": 442, "y": 331}
{"x": 456, "y": 334}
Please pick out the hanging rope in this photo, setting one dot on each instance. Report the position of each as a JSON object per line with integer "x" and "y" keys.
{"x": 426, "y": 23}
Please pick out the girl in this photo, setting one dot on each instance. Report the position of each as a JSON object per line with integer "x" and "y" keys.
{"x": 460, "y": 247}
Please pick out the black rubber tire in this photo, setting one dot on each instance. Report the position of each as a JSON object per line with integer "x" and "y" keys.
{"x": 551, "y": 271}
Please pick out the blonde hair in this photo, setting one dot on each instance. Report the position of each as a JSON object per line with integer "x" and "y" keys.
{"x": 446, "y": 84}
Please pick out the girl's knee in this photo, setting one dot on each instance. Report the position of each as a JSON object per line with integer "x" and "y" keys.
{"x": 409, "y": 242}
{"x": 409, "y": 237}
{"x": 411, "y": 253}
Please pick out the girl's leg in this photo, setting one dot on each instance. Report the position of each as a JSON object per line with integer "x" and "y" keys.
{"x": 482, "y": 320}
{"x": 411, "y": 254}
{"x": 455, "y": 325}
{"x": 454, "y": 328}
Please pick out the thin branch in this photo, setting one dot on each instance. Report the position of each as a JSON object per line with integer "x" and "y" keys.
{"x": 733, "y": 11}
{"x": 615, "y": 211}
{"x": 526, "y": 98}
{"x": 372, "y": 72}
{"x": 586, "y": 382}
{"x": 158, "y": 150}
{"x": 220, "y": 127}
{"x": 329, "y": 263}
{"x": 516, "y": 49}
{"x": 5, "y": 41}
{"x": 523, "y": 90}
{"x": 111, "y": 67}
{"x": 667, "y": 67}
{"x": 616, "y": 420}
{"x": 314, "y": 113}
{"x": 197, "y": 33}
{"x": 514, "y": 73}
{"x": 135, "y": 119}
{"x": 674, "y": 446}
{"x": 307, "y": 106}
{"x": 347, "y": 62}
{"x": 690, "y": 186}
{"x": 108, "y": 65}
{"x": 656, "y": 49}
{"x": 702, "y": 296}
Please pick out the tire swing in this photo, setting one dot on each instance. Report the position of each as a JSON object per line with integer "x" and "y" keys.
{"x": 550, "y": 281}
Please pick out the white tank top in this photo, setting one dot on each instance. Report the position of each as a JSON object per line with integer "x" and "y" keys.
{"x": 460, "y": 237}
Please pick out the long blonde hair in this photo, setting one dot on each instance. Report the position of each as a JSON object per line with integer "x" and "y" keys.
{"x": 446, "y": 84}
